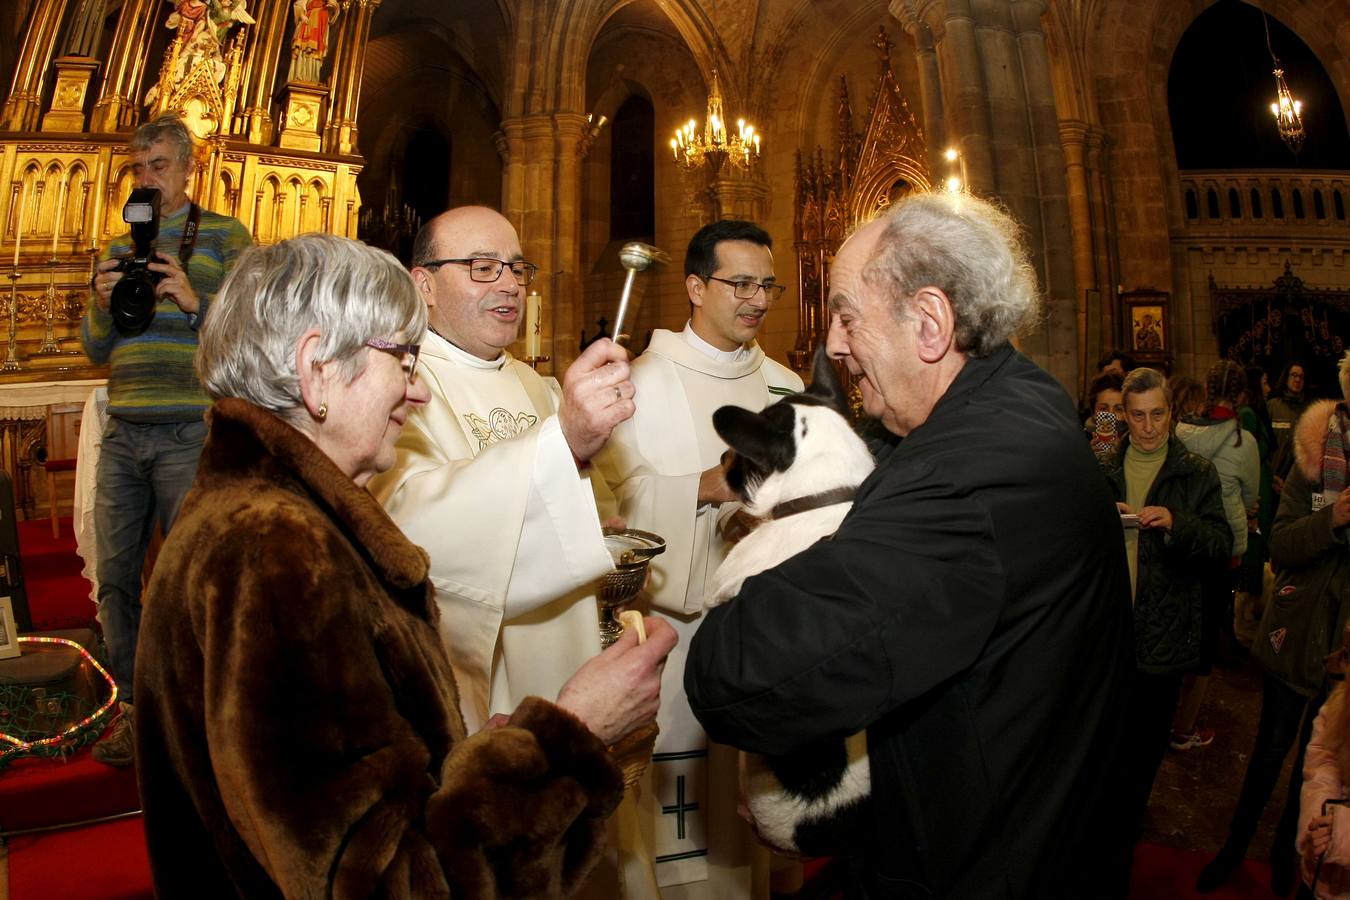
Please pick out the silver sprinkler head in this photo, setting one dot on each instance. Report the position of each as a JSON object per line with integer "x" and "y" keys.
{"x": 638, "y": 257}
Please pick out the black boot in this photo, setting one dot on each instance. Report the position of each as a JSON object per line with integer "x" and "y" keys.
{"x": 1219, "y": 869}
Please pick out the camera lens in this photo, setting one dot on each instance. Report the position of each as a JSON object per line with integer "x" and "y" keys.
{"x": 133, "y": 303}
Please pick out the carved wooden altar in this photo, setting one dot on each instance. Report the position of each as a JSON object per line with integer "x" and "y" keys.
{"x": 274, "y": 150}
{"x": 869, "y": 170}
{"x": 1284, "y": 322}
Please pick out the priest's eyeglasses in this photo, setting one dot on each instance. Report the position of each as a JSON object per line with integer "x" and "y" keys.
{"x": 486, "y": 269}
{"x": 746, "y": 290}
{"x": 399, "y": 350}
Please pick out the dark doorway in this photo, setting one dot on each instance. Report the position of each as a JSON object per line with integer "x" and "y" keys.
{"x": 632, "y": 172}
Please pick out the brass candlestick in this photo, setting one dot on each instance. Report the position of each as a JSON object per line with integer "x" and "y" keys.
{"x": 632, "y": 550}
{"x": 11, "y": 363}
{"x": 49, "y": 347}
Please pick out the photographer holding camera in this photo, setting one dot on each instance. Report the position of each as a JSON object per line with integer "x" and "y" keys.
{"x": 151, "y": 291}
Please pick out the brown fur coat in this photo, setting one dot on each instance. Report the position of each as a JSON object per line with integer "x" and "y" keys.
{"x": 297, "y": 722}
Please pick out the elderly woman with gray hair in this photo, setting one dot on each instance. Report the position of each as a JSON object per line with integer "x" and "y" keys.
{"x": 298, "y": 728}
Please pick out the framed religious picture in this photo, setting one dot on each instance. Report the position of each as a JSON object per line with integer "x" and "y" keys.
{"x": 1147, "y": 337}
{"x": 9, "y": 635}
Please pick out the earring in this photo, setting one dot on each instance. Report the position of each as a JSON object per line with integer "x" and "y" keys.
{"x": 322, "y": 412}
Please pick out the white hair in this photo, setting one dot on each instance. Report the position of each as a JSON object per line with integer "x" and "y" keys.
{"x": 969, "y": 249}
{"x": 1343, "y": 376}
{"x": 348, "y": 291}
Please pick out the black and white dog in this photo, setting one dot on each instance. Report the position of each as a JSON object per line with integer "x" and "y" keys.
{"x": 797, "y": 465}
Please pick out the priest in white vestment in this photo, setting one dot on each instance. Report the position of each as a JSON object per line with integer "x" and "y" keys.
{"x": 493, "y": 479}
{"x": 663, "y": 465}
{"x": 492, "y": 476}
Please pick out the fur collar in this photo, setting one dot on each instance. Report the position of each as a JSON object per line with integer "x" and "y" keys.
{"x": 248, "y": 441}
{"x": 1310, "y": 438}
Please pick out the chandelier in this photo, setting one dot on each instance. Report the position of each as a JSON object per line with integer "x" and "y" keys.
{"x": 712, "y": 147}
{"x": 1288, "y": 112}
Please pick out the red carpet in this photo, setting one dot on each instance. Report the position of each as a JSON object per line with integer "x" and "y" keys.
{"x": 98, "y": 861}
{"x": 58, "y": 595}
{"x": 1167, "y": 873}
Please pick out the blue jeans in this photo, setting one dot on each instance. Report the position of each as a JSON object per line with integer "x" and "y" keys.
{"x": 143, "y": 472}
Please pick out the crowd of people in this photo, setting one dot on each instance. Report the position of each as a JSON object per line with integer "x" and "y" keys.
{"x": 369, "y": 662}
{"x": 1255, "y": 550}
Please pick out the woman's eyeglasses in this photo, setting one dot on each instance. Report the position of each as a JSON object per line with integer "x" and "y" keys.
{"x": 410, "y": 350}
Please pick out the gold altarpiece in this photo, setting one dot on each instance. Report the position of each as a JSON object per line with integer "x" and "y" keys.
{"x": 274, "y": 149}
{"x": 868, "y": 171}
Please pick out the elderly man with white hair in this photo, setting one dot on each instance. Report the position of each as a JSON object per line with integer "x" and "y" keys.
{"x": 972, "y": 612}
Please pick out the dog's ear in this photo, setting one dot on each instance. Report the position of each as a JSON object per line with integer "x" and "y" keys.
{"x": 764, "y": 438}
{"x": 825, "y": 384}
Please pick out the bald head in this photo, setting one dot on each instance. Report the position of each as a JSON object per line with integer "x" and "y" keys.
{"x": 480, "y": 317}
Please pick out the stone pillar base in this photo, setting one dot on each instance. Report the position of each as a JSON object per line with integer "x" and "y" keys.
{"x": 73, "y": 74}
{"x": 304, "y": 111}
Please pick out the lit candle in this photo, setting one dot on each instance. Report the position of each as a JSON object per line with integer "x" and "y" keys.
{"x": 18, "y": 228}
{"x": 533, "y": 337}
{"x": 60, "y": 214}
{"x": 95, "y": 227}
{"x": 675, "y": 149}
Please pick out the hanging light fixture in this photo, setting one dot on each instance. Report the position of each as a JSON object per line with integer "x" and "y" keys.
{"x": 712, "y": 146}
{"x": 1288, "y": 112}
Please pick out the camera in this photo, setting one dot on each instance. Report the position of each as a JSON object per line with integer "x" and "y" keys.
{"x": 133, "y": 296}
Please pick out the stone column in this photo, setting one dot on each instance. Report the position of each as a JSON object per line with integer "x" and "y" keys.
{"x": 25, "y": 96}
{"x": 963, "y": 89}
{"x": 930, "y": 93}
{"x": 1099, "y": 197}
{"x": 1073, "y": 140}
{"x": 739, "y": 197}
{"x": 340, "y": 135}
{"x": 254, "y": 120}
{"x": 570, "y": 131}
{"x": 1047, "y": 160}
{"x": 116, "y": 105}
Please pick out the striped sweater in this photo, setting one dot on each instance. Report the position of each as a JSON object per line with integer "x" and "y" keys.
{"x": 152, "y": 378}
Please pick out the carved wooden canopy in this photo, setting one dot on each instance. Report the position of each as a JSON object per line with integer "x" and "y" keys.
{"x": 869, "y": 170}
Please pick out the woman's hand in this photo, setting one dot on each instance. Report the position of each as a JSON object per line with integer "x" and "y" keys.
{"x": 620, "y": 690}
{"x": 1319, "y": 834}
{"x": 1155, "y": 517}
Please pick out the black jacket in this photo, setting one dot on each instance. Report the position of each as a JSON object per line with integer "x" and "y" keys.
{"x": 973, "y": 614}
{"x": 1172, "y": 569}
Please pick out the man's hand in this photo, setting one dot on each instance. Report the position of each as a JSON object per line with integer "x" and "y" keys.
{"x": 597, "y": 395}
{"x": 713, "y": 488}
{"x": 103, "y": 281}
{"x": 620, "y": 690}
{"x": 174, "y": 284}
{"x": 1155, "y": 517}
